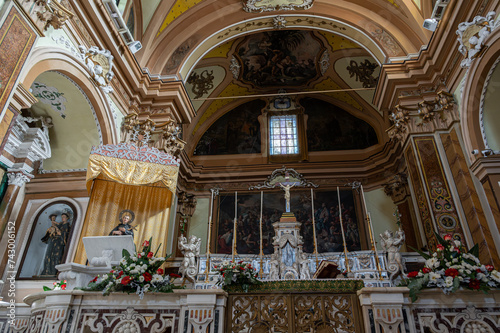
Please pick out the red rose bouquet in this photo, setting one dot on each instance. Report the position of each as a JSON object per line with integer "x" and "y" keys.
{"x": 59, "y": 285}
{"x": 239, "y": 273}
{"x": 139, "y": 272}
{"x": 451, "y": 267}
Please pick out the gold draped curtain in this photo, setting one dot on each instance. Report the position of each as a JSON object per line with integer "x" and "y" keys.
{"x": 142, "y": 186}
{"x": 151, "y": 205}
{"x": 131, "y": 172}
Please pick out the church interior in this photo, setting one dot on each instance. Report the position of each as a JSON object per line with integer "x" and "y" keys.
{"x": 291, "y": 136}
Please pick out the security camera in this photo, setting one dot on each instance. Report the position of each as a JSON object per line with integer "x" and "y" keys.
{"x": 475, "y": 152}
{"x": 135, "y": 46}
{"x": 430, "y": 24}
{"x": 487, "y": 152}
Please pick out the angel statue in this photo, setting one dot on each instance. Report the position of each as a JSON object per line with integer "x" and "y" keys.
{"x": 191, "y": 250}
{"x": 305, "y": 273}
{"x": 392, "y": 245}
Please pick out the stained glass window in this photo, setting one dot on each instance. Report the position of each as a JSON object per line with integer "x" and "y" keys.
{"x": 284, "y": 139}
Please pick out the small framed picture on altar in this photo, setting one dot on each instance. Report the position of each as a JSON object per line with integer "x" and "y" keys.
{"x": 48, "y": 241}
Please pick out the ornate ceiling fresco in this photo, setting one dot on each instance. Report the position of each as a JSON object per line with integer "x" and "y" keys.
{"x": 230, "y": 54}
{"x": 294, "y": 60}
{"x": 285, "y": 58}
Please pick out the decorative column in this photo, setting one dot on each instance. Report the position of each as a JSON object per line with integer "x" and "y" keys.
{"x": 382, "y": 309}
{"x": 16, "y": 180}
{"x": 440, "y": 179}
{"x": 400, "y": 194}
{"x": 25, "y": 146}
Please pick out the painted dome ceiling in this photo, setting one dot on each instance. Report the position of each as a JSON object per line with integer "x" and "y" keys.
{"x": 317, "y": 63}
{"x": 230, "y": 54}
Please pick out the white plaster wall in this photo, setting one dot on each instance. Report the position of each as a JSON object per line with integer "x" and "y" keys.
{"x": 199, "y": 222}
{"x": 491, "y": 120}
{"x": 381, "y": 209}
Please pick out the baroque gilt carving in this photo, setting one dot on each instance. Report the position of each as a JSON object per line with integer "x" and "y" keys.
{"x": 52, "y": 13}
{"x": 423, "y": 117}
{"x": 142, "y": 130}
{"x": 471, "y": 36}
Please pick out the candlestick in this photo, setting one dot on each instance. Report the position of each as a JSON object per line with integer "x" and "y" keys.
{"x": 374, "y": 247}
{"x": 261, "y": 270}
{"x": 370, "y": 232}
{"x": 343, "y": 234}
{"x": 314, "y": 228}
{"x": 207, "y": 269}
{"x": 235, "y": 224}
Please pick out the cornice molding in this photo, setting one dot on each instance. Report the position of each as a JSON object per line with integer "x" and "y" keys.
{"x": 131, "y": 83}
{"x": 437, "y": 65}
{"x": 371, "y": 170}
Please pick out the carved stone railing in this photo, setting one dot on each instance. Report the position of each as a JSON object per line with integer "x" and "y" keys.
{"x": 389, "y": 310}
{"x": 80, "y": 311}
{"x": 294, "y": 305}
{"x": 362, "y": 264}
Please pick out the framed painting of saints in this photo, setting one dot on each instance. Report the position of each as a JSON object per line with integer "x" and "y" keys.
{"x": 326, "y": 216}
{"x": 48, "y": 245}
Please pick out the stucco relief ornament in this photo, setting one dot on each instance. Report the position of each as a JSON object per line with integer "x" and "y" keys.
{"x": 50, "y": 96}
{"x": 324, "y": 62}
{"x": 100, "y": 66}
{"x": 471, "y": 36}
{"x": 400, "y": 118}
{"x": 259, "y": 6}
{"x": 279, "y": 22}
{"x": 52, "y": 13}
{"x": 235, "y": 67}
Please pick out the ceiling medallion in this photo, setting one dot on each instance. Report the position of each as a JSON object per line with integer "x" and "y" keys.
{"x": 259, "y": 6}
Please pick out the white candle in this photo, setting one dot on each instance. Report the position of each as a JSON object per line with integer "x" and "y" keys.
{"x": 210, "y": 221}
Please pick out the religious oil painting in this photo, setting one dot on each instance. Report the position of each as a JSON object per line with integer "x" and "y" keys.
{"x": 236, "y": 132}
{"x": 331, "y": 128}
{"x": 326, "y": 213}
{"x": 279, "y": 58}
{"x": 48, "y": 242}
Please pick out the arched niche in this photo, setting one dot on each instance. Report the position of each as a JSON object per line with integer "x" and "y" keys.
{"x": 75, "y": 124}
{"x": 44, "y": 58}
{"x": 478, "y": 96}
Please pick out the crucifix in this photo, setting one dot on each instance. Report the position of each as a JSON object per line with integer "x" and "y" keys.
{"x": 286, "y": 186}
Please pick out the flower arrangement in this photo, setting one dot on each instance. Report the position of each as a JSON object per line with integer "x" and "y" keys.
{"x": 450, "y": 267}
{"x": 239, "y": 274}
{"x": 139, "y": 273}
{"x": 59, "y": 285}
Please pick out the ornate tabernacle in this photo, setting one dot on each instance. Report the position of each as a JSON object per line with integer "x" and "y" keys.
{"x": 288, "y": 261}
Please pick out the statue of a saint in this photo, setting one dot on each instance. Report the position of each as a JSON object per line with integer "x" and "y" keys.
{"x": 56, "y": 238}
{"x": 287, "y": 188}
{"x": 124, "y": 227}
{"x": 191, "y": 250}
